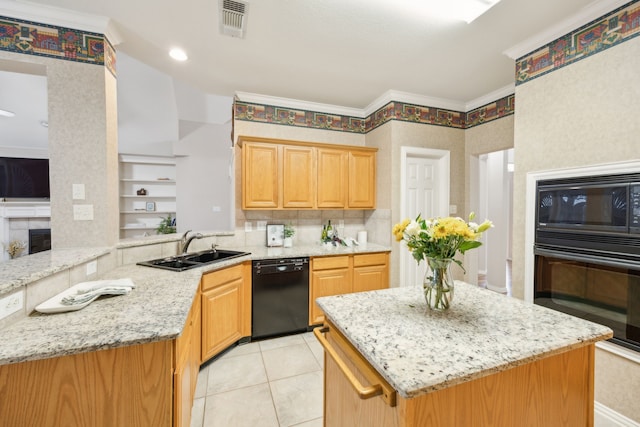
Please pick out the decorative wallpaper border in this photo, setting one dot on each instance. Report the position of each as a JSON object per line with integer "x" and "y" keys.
{"x": 33, "y": 38}
{"x": 610, "y": 30}
{"x": 503, "y": 107}
{"x": 394, "y": 110}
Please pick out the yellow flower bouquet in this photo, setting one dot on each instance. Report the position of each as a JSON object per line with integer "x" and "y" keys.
{"x": 438, "y": 240}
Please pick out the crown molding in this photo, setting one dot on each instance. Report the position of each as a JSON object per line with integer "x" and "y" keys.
{"x": 256, "y": 98}
{"x": 37, "y": 12}
{"x": 505, "y": 91}
{"x": 592, "y": 11}
{"x": 411, "y": 98}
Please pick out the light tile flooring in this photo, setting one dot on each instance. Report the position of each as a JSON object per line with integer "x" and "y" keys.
{"x": 276, "y": 382}
{"x": 270, "y": 383}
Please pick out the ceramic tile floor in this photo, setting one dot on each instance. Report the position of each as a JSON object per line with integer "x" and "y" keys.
{"x": 270, "y": 383}
{"x": 276, "y": 382}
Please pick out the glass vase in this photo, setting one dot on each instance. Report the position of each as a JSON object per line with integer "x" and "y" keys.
{"x": 438, "y": 284}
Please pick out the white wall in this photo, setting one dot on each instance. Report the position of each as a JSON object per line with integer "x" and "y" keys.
{"x": 204, "y": 178}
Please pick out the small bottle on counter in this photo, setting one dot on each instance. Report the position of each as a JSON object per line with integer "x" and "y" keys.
{"x": 329, "y": 230}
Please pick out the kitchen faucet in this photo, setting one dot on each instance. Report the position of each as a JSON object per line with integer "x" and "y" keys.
{"x": 184, "y": 243}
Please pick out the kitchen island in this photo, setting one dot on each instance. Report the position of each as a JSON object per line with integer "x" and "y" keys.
{"x": 490, "y": 360}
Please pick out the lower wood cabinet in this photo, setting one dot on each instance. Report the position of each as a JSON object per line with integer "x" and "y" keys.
{"x": 187, "y": 357}
{"x": 124, "y": 386}
{"x": 226, "y": 308}
{"x": 335, "y": 275}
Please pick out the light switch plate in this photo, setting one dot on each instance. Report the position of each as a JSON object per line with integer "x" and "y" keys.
{"x": 78, "y": 191}
{"x": 453, "y": 209}
{"x": 261, "y": 225}
{"x": 83, "y": 212}
{"x": 11, "y": 304}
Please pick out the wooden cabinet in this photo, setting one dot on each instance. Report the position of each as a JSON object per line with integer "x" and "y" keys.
{"x": 556, "y": 390}
{"x": 298, "y": 177}
{"x": 334, "y": 275}
{"x": 260, "y": 176}
{"x": 329, "y": 276}
{"x": 370, "y": 272}
{"x": 332, "y": 176}
{"x": 362, "y": 179}
{"x": 280, "y": 174}
{"x": 226, "y": 308}
{"x": 124, "y": 386}
{"x": 187, "y": 357}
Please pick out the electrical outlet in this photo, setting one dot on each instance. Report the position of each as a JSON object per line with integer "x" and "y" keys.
{"x": 453, "y": 209}
{"x": 248, "y": 226}
{"x": 11, "y": 304}
{"x": 216, "y": 209}
{"x": 261, "y": 225}
{"x": 92, "y": 267}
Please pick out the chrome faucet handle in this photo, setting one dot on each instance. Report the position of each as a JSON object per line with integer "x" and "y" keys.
{"x": 214, "y": 246}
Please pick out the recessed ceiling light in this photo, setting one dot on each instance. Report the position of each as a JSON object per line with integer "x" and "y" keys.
{"x": 6, "y": 113}
{"x": 178, "y": 54}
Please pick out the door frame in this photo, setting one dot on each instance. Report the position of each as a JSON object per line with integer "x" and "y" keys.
{"x": 444, "y": 160}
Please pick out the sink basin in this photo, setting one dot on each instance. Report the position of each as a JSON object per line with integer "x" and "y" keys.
{"x": 212, "y": 256}
{"x": 187, "y": 261}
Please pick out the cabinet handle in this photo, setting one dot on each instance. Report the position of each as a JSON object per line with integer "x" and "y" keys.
{"x": 362, "y": 391}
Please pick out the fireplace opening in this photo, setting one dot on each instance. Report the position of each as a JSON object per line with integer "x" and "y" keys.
{"x": 39, "y": 240}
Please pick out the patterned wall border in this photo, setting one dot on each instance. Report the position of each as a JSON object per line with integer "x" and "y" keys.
{"x": 394, "y": 110}
{"x": 610, "y": 30}
{"x": 503, "y": 107}
{"x": 33, "y": 38}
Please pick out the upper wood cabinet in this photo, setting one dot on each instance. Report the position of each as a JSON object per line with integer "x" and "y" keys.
{"x": 362, "y": 179}
{"x": 298, "y": 177}
{"x": 282, "y": 174}
{"x": 332, "y": 176}
{"x": 260, "y": 176}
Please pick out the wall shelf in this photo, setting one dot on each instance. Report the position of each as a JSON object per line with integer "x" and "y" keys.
{"x": 157, "y": 175}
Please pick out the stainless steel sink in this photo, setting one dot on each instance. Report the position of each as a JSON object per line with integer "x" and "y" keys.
{"x": 187, "y": 261}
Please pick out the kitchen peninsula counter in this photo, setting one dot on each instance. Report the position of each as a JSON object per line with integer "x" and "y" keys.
{"x": 510, "y": 355}
{"x": 155, "y": 310}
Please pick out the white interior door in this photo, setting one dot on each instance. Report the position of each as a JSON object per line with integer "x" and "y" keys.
{"x": 425, "y": 190}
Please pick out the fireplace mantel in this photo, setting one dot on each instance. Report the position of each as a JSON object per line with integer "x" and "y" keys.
{"x": 20, "y": 210}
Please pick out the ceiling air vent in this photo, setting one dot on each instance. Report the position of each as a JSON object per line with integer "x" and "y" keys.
{"x": 233, "y": 17}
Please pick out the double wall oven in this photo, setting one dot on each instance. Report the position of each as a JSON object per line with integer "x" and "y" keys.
{"x": 587, "y": 251}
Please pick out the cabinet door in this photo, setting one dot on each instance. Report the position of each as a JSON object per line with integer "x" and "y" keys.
{"x": 222, "y": 308}
{"x": 362, "y": 180}
{"x": 329, "y": 276}
{"x": 260, "y": 176}
{"x": 370, "y": 272}
{"x": 332, "y": 178}
{"x": 187, "y": 348}
{"x": 298, "y": 177}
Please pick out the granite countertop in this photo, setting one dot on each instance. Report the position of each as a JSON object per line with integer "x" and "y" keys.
{"x": 417, "y": 350}
{"x": 155, "y": 310}
{"x": 19, "y": 272}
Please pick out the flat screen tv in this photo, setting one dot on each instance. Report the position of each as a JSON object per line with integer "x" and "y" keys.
{"x": 24, "y": 178}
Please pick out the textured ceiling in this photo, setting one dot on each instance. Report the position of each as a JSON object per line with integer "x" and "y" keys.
{"x": 339, "y": 52}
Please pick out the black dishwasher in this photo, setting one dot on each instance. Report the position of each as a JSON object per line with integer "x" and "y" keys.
{"x": 280, "y": 299}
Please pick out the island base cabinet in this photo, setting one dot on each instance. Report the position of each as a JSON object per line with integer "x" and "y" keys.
{"x": 556, "y": 391}
{"x": 126, "y": 386}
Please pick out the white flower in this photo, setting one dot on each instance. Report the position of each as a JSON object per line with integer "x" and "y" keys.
{"x": 413, "y": 229}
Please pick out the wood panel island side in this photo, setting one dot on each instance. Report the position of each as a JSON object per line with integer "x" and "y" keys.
{"x": 490, "y": 360}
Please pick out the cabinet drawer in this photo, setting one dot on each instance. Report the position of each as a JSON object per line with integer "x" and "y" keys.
{"x": 330, "y": 262}
{"x": 370, "y": 259}
{"x": 220, "y": 277}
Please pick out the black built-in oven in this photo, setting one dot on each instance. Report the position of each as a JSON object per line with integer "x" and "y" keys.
{"x": 587, "y": 251}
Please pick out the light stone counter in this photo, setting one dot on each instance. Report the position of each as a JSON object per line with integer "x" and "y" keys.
{"x": 21, "y": 271}
{"x": 155, "y": 310}
{"x": 418, "y": 351}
